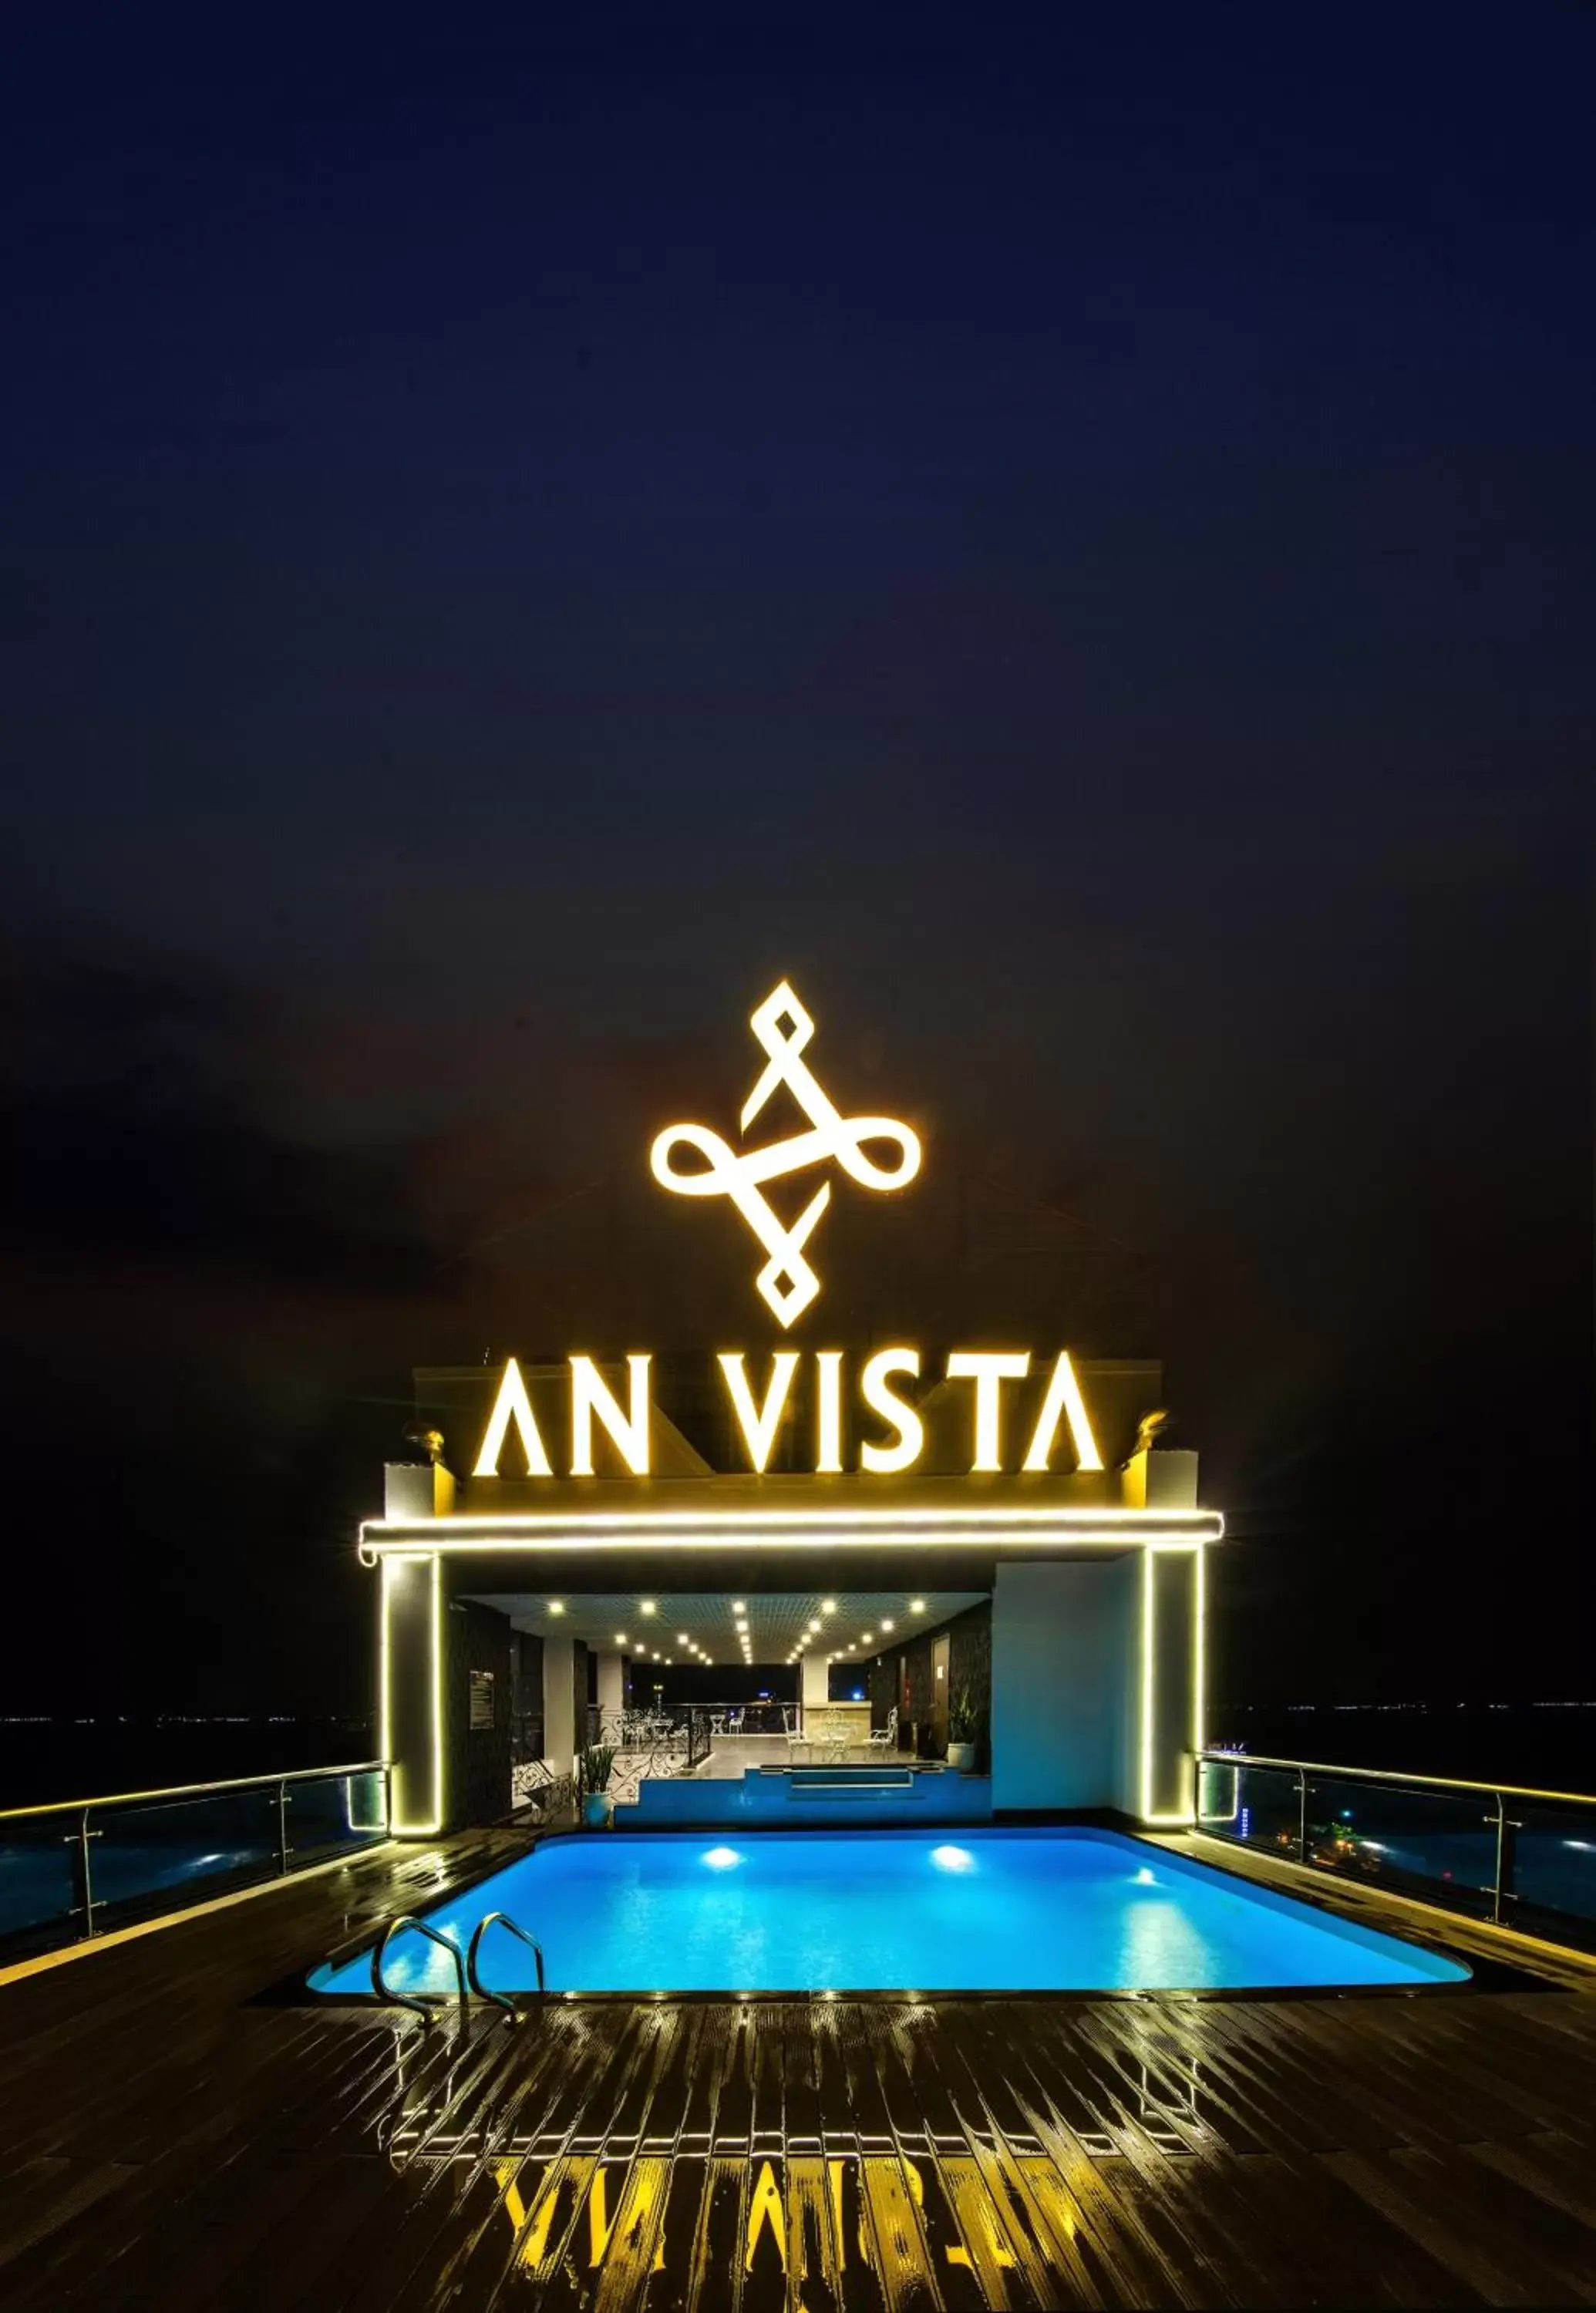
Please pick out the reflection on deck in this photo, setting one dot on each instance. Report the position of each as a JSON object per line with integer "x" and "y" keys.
{"x": 181, "y": 2128}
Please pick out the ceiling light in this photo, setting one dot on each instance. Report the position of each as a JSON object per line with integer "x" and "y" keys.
{"x": 814, "y": 1626}
{"x": 682, "y": 1640}
{"x": 828, "y": 1605}
{"x": 557, "y": 1606}
{"x": 887, "y": 1624}
{"x": 620, "y": 1637}
{"x": 738, "y": 1605}
{"x": 865, "y": 1638}
{"x": 646, "y": 1606}
{"x": 917, "y": 1606}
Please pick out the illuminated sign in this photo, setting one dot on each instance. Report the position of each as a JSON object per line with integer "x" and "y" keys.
{"x": 759, "y": 1415}
{"x": 788, "y": 1282}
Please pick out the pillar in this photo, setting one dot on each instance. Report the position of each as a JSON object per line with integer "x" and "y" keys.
{"x": 560, "y": 1704}
{"x": 410, "y": 1648}
{"x": 612, "y": 1684}
{"x": 410, "y": 1607}
{"x": 1174, "y": 1577}
{"x": 815, "y": 1691}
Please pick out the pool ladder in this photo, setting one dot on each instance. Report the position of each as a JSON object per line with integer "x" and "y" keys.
{"x": 467, "y": 1974}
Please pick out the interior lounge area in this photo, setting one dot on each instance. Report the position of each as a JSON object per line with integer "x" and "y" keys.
{"x": 1054, "y": 1674}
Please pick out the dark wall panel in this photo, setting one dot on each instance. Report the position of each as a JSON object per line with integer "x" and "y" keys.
{"x": 477, "y": 1760}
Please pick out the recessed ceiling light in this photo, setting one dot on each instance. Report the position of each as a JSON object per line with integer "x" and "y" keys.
{"x": 682, "y": 1640}
{"x": 828, "y": 1605}
{"x": 917, "y": 1606}
{"x": 814, "y": 1626}
{"x": 620, "y": 1637}
{"x": 646, "y": 1606}
{"x": 887, "y": 1624}
{"x": 557, "y": 1606}
{"x": 865, "y": 1638}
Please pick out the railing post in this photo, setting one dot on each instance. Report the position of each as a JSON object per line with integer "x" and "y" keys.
{"x": 282, "y": 1829}
{"x": 1502, "y": 1892}
{"x": 1302, "y": 1814}
{"x": 84, "y": 1874}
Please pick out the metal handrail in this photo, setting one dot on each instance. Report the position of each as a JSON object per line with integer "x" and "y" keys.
{"x": 473, "y": 1976}
{"x": 1389, "y": 1775}
{"x": 384, "y": 1991}
{"x": 196, "y": 1791}
{"x": 1500, "y": 1889}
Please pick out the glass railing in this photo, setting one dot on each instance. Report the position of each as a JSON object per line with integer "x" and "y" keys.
{"x": 73, "y": 1871}
{"x": 1525, "y": 1858}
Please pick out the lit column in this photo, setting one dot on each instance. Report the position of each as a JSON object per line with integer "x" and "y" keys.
{"x": 560, "y": 1704}
{"x": 612, "y": 1684}
{"x": 1172, "y": 1635}
{"x": 410, "y": 1675}
{"x": 817, "y": 1686}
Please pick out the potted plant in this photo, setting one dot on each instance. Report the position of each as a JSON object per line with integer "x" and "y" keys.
{"x": 963, "y": 1719}
{"x": 598, "y": 1808}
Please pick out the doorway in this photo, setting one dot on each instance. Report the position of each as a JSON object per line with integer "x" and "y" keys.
{"x": 940, "y": 1649}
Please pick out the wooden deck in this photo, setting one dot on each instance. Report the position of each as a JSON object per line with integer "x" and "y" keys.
{"x": 180, "y": 2130}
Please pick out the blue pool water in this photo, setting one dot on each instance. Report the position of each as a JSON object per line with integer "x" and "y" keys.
{"x": 974, "y": 1911}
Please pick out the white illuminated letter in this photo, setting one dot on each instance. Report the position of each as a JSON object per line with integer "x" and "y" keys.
{"x": 1063, "y": 1396}
{"x": 902, "y": 1417}
{"x": 989, "y": 1370}
{"x": 759, "y": 1423}
{"x": 828, "y": 1410}
{"x": 512, "y": 1405}
{"x": 590, "y": 1394}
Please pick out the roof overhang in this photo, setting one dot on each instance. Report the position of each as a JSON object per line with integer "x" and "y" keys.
{"x": 730, "y": 1515}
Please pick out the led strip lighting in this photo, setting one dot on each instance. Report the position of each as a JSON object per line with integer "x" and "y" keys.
{"x": 737, "y": 1529}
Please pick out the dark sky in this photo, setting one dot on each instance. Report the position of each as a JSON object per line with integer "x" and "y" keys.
{"x": 1072, "y": 533}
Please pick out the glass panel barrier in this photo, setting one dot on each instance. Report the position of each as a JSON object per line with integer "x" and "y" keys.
{"x": 173, "y": 1851}
{"x": 145, "y": 1856}
{"x": 1257, "y": 1807}
{"x": 1528, "y": 1860}
{"x": 1552, "y": 1871}
{"x": 329, "y": 1816}
{"x": 38, "y": 1876}
{"x": 1441, "y": 1845}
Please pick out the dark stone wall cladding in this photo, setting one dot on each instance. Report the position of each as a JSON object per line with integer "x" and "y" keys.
{"x": 969, "y": 1664}
{"x": 477, "y": 1760}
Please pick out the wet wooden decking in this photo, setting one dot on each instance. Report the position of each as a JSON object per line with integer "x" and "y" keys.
{"x": 178, "y": 2131}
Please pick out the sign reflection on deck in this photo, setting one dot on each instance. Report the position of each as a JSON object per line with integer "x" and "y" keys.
{"x": 795, "y": 2213}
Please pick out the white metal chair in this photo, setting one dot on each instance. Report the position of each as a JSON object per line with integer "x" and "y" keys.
{"x": 885, "y": 1738}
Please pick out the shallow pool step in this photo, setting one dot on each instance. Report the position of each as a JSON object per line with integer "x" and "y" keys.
{"x": 858, "y": 1791}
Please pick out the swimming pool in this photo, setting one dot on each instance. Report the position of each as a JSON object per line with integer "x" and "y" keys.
{"x": 988, "y": 1909}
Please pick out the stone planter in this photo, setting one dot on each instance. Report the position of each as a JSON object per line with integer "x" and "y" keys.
{"x": 961, "y": 1758}
{"x": 599, "y": 1811}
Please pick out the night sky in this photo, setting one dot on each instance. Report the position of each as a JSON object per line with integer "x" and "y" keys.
{"x": 1074, "y": 540}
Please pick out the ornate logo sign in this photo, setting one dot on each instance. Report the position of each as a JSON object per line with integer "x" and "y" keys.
{"x": 784, "y": 1029}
